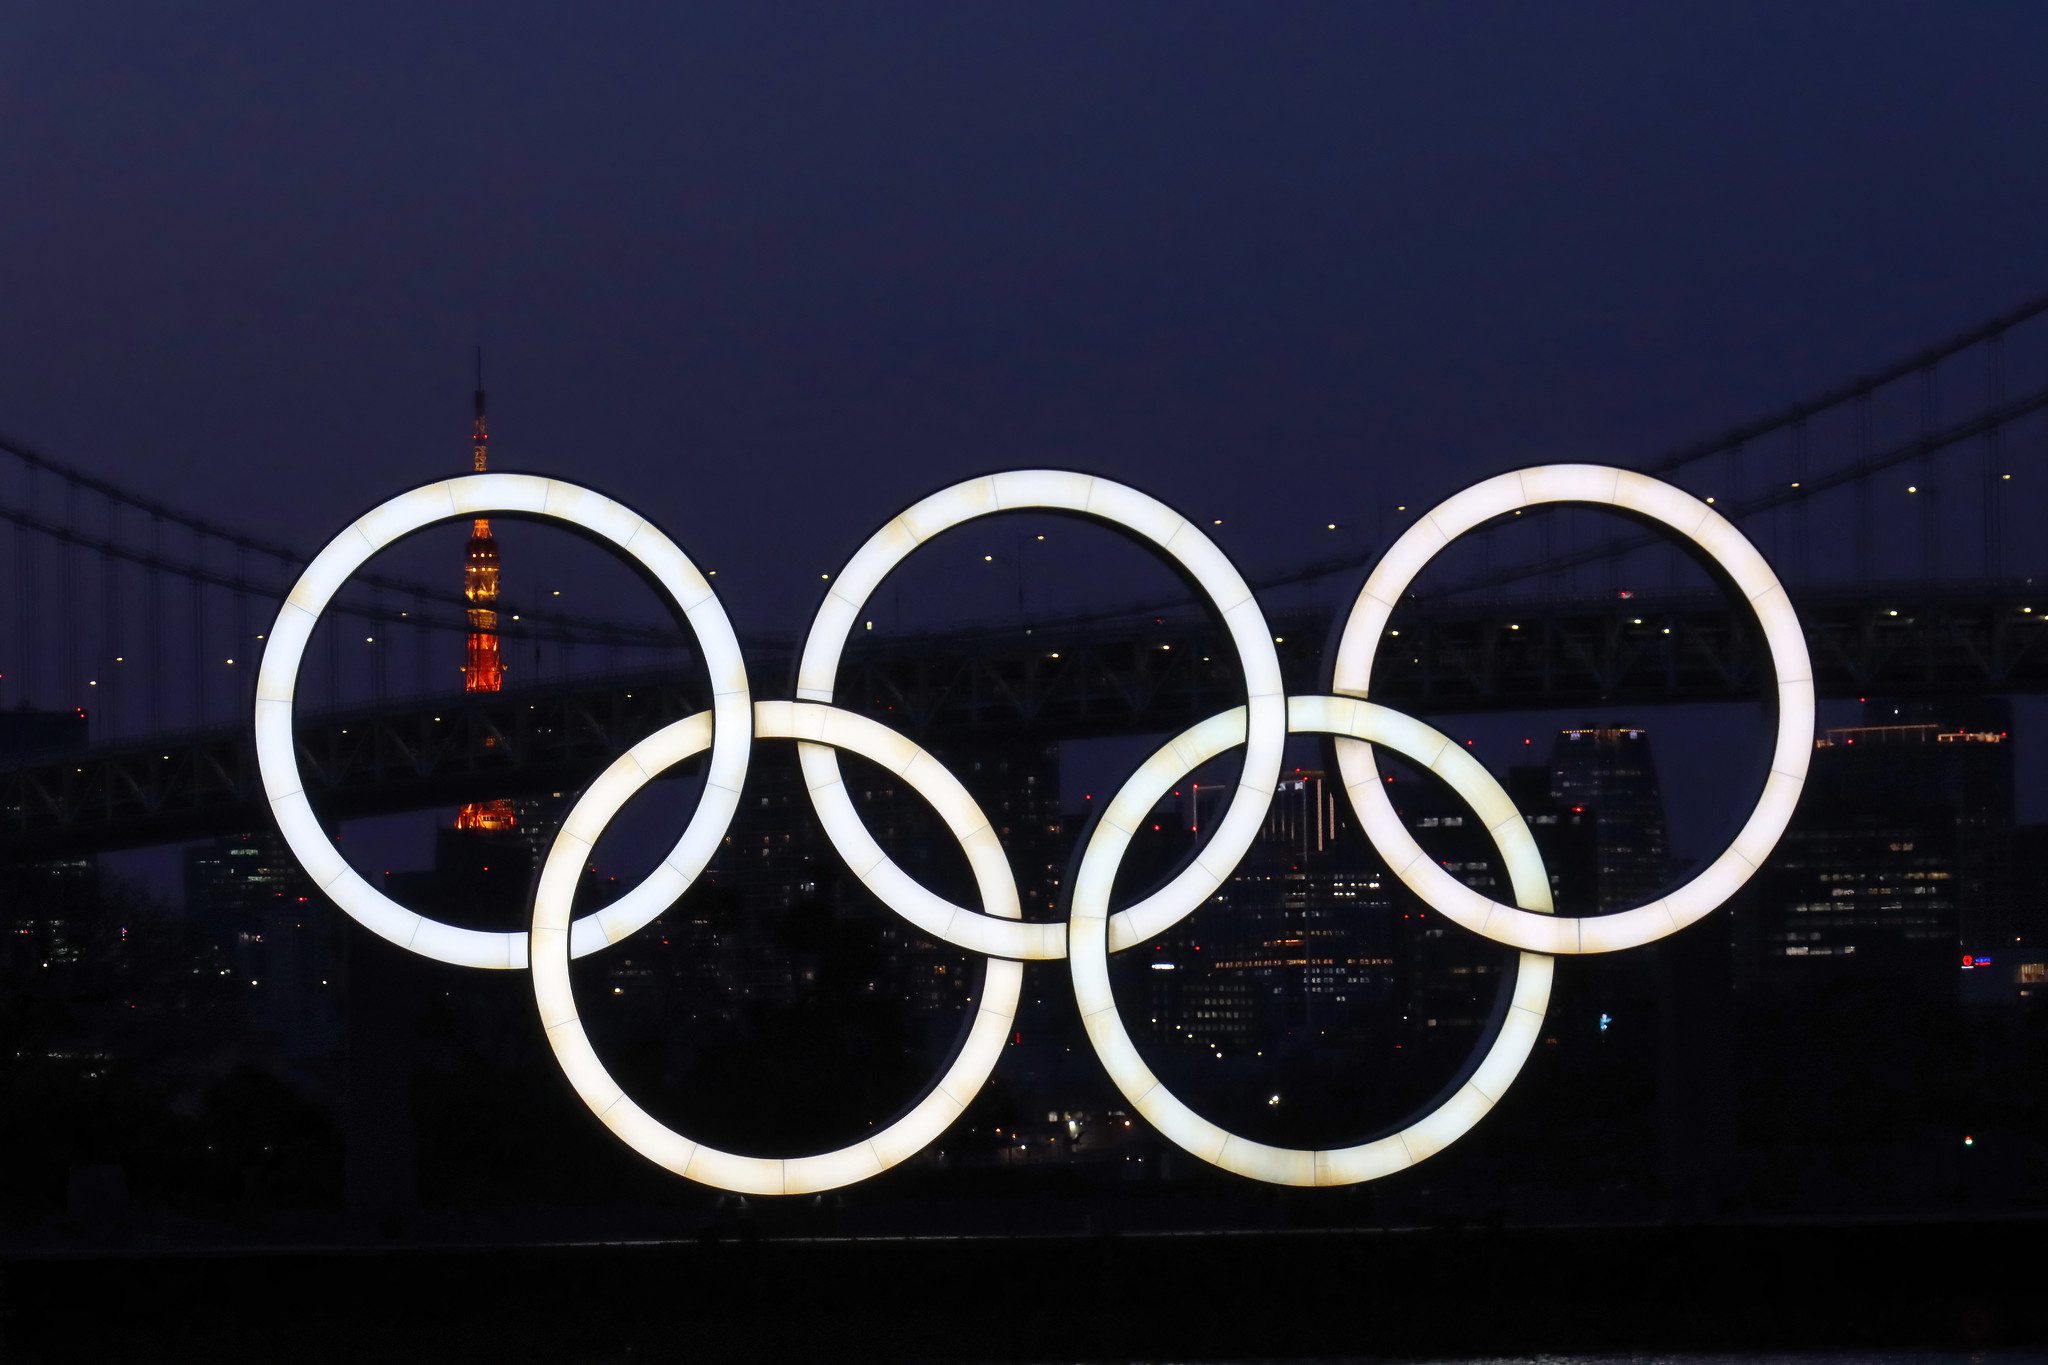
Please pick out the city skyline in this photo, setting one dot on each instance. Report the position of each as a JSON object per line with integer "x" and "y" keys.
{"x": 1251, "y": 665}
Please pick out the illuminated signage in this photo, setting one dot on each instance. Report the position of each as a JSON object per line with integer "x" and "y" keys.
{"x": 993, "y": 926}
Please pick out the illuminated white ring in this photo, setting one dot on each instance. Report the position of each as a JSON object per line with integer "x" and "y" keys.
{"x": 1143, "y": 516}
{"x": 1718, "y": 539}
{"x": 482, "y": 495}
{"x": 555, "y": 995}
{"x": 1091, "y": 937}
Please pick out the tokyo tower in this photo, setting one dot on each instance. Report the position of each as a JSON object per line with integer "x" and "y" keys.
{"x": 482, "y": 670}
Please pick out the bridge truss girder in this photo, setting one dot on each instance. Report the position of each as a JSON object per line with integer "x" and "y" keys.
{"x": 1045, "y": 682}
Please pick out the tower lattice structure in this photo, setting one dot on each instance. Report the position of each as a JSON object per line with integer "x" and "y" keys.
{"x": 482, "y": 669}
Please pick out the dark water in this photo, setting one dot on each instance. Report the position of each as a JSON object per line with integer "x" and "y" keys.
{"x": 1745, "y": 1358}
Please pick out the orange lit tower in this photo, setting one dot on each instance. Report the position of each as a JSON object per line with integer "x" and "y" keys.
{"x": 483, "y": 671}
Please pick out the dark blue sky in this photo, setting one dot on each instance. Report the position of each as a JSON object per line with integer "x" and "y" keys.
{"x": 771, "y": 272}
{"x": 1284, "y": 260}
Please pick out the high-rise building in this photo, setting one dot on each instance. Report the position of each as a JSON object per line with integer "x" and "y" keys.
{"x": 1608, "y": 771}
{"x": 275, "y": 933}
{"x": 777, "y": 861}
{"x": 1300, "y": 938}
{"x": 1883, "y": 872}
{"x": 1312, "y": 934}
{"x": 40, "y": 901}
{"x": 2005, "y": 930}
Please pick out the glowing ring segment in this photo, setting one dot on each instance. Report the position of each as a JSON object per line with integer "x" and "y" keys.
{"x": 555, "y": 995}
{"x": 1091, "y": 938}
{"x": 1732, "y": 553}
{"x": 476, "y": 495}
{"x": 1146, "y": 518}
{"x": 997, "y": 930}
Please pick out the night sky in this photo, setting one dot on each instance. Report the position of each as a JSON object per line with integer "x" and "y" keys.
{"x": 771, "y": 272}
{"x": 1277, "y": 259}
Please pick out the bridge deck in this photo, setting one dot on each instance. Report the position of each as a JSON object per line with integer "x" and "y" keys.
{"x": 1073, "y": 680}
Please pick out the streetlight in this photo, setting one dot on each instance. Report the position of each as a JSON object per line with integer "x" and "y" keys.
{"x": 1015, "y": 559}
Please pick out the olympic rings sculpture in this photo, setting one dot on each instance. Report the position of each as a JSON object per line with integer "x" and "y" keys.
{"x": 995, "y": 927}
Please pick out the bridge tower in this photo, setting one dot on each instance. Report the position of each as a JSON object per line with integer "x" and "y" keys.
{"x": 483, "y": 671}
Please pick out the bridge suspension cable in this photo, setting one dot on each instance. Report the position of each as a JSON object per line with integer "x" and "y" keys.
{"x": 84, "y": 545}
